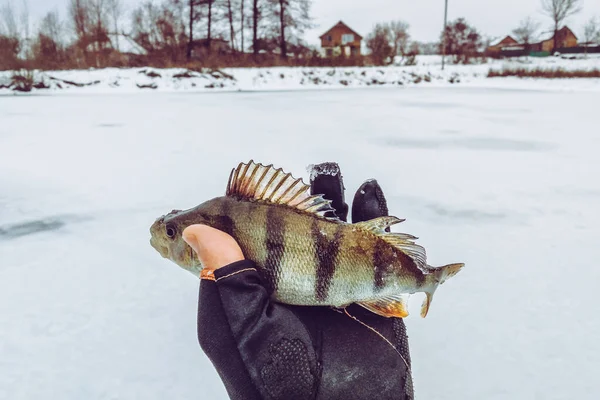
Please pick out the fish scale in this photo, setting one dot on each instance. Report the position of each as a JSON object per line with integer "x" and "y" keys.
{"x": 306, "y": 256}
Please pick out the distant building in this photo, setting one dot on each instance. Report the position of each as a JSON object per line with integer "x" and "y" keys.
{"x": 340, "y": 40}
{"x": 125, "y": 44}
{"x": 114, "y": 49}
{"x": 496, "y": 47}
{"x": 509, "y": 47}
{"x": 565, "y": 38}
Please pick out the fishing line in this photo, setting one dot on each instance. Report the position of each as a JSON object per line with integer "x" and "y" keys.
{"x": 381, "y": 336}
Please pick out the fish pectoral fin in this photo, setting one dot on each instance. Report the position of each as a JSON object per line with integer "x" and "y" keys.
{"x": 390, "y": 306}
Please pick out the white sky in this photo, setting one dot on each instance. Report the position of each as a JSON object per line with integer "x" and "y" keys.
{"x": 491, "y": 17}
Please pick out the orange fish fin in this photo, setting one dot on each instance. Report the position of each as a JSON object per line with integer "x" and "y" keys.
{"x": 257, "y": 182}
{"x": 426, "y": 304}
{"x": 391, "y": 306}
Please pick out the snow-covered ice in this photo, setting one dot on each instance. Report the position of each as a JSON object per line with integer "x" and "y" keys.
{"x": 505, "y": 180}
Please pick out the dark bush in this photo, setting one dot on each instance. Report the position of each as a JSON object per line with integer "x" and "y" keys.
{"x": 544, "y": 73}
{"x": 9, "y": 50}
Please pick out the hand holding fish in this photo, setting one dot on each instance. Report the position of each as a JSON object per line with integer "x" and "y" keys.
{"x": 214, "y": 248}
{"x": 263, "y": 347}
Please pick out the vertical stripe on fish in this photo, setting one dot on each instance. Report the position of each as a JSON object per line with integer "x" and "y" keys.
{"x": 326, "y": 251}
{"x": 275, "y": 244}
{"x": 383, "y": 261}
{"x": 225, "y": 222}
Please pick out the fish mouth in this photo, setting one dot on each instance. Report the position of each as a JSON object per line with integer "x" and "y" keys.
{"x": 162, "y": 249}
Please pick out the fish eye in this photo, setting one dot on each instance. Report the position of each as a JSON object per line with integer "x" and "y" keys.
{"x": 171, "y": 231}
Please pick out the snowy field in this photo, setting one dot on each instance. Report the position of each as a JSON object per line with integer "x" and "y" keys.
{"x": 505, "y": 180}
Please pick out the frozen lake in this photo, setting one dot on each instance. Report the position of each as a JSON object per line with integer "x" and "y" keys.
{"x": 503, "y": 180}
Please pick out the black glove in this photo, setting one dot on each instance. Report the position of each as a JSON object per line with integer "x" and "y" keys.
{"x": 326, "y": 179}
{"x": 369, "y": 202}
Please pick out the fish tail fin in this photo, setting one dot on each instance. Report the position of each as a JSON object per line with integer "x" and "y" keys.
{"x": 441, "y": 274}
{"x": 447, "y": 271}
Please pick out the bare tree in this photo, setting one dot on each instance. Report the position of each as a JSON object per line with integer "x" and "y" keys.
{"x": 8, "y": 22}
{"x": 292, "y": 18}
{"x": 206, "y": 10}
{"x": 79, "y": 12}
{"x": 378, "y": 42}
{"x": 591, "y": 30}
{"x": 242, "y": 18}
{"x": 398, "y": 31}
{"x": 115, "y": 12}
{"x": 230, "y": 8}
{"x": 526, "y": 31}
{"x": 209, "y": 4}
{"x": 194, "y": 15}
{"x": 10, "y": 41}
{"x": 51, "y": 27}
{"x": 145, "y": 26}
{"x": 256, "y": 16}
{"x": 48, "y": 48}
{"x": 559, "y": 10}
{"x": 191, "y": 21}
{"x": 283, "y": 20}
{"x": 99, "y": 21}
{"x": 161, "y": 30}
{"x": 25, "y": 23}
{"x": 388, "y": 40}
{"x": 462, "y": 41}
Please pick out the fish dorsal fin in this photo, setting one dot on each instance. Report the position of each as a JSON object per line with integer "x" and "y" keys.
{"x": 402, "y": 241}
{"x": 257, "y": 182}
{"x": 378, "y": 225}
{"x": 405, "y": 243}
{"x": 390, "y": 306}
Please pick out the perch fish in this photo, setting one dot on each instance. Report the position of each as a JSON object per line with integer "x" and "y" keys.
{"x": 306, "y": 255}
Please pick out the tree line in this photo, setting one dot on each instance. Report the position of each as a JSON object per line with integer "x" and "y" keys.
{"x": 171, "y": 32}
{"x": 219, "y": 33}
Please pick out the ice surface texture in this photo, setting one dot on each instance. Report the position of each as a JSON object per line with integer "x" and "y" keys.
{"x": 89, "y": 311}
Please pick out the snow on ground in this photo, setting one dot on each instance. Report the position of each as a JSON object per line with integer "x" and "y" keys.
{"x": 427, "y": 72}
{"x": 504, "y": 180}
{"x": 564, "y": 61}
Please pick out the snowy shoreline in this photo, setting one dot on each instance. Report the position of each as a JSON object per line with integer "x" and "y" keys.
{"x": 427, "y": 72}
